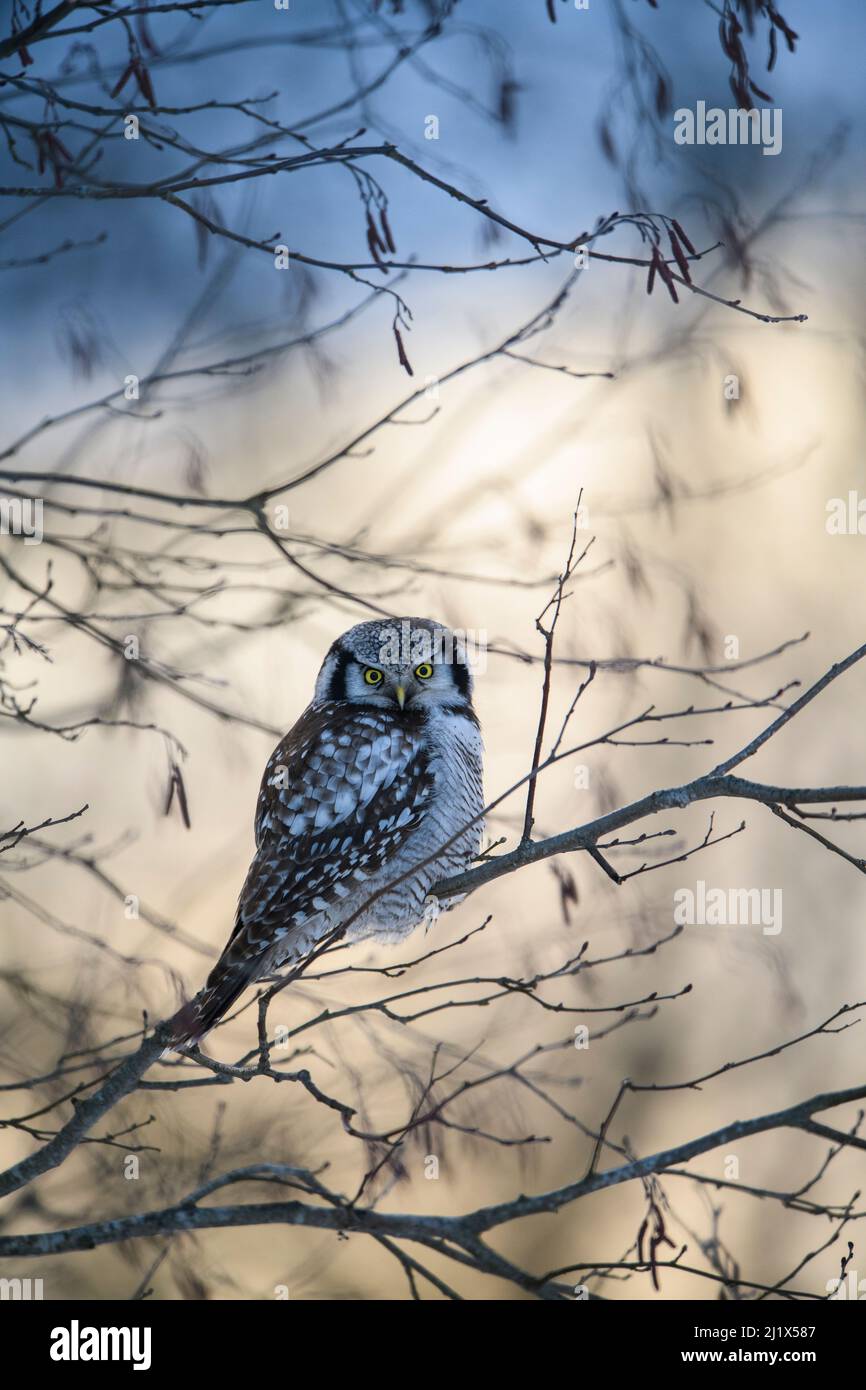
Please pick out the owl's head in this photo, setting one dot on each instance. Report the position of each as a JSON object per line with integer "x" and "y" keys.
{"x": 402, "y": 663}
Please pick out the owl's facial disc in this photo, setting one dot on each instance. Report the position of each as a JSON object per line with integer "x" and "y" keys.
{"x": 425, "y": 683}
{"x": 404, "y": 665}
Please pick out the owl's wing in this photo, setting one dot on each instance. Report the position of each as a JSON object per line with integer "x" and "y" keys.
{"x": 339, "y": 796}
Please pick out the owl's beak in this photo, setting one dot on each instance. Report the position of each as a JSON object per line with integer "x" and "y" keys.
{"x": 400, "y": 692}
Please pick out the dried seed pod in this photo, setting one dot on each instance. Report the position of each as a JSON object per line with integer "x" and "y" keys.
{"x": 401, "y": 352}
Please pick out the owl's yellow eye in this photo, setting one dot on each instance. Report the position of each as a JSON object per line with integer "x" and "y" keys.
{"x": 424, "y": 671}
{"x": 372, "y": 676}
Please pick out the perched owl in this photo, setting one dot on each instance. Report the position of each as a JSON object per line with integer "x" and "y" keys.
{"x": 373, "y": 797}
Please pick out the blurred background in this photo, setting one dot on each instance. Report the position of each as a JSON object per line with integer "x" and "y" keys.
{"x": 708, "y": 517}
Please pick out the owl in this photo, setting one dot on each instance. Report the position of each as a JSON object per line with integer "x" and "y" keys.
{"x": 373, "y": 797}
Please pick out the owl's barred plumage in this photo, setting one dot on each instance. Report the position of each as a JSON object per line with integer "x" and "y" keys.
{"x": 372, "y": 797}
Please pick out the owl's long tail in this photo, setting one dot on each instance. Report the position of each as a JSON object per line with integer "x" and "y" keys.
{"x": 199, "y": 1015}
